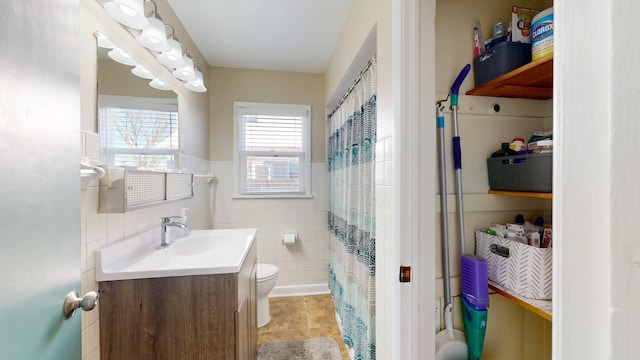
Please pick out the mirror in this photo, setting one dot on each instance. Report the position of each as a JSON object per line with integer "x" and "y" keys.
{"x": 137, "y": 115}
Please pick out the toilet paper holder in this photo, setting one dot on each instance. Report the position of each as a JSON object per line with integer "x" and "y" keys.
{"x": 289, "y": 238}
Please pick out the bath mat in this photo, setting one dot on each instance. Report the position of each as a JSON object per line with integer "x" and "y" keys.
{"x": 322, "y": 348}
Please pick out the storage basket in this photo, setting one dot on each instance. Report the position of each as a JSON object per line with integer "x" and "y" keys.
{"x": 531, "y": 172}
{"x": 499, "y": 60}
{"x": 523, "y": 269}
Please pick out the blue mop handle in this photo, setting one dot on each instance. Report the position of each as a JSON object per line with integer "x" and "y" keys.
{"x": 457, "y": 153}
{"x": 455, "y": 88}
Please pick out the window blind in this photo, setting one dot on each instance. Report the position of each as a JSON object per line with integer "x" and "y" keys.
{"x": 272, "y": 151}
{"x": 141, "y": 138}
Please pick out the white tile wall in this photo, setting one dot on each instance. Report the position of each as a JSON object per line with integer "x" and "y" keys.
{"x": 383, "y": 248}
{"x": 98, "y": 230}
{"x": 304, "y": 263}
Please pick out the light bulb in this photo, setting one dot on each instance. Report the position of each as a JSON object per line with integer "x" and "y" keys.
{"x": 159, "y": 84}
{"x": 128, "y": 12}
{"x": 122, "y": 57}
{"x": 196, "y": 85}
{"x": 154, "y": 37}
{"x": 142, "y": 72}
{"x": 172, "y": 58}
{"x": 187, "y": 72}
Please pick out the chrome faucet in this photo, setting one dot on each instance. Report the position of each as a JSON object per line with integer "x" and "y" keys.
{"x": 174, "y": 221}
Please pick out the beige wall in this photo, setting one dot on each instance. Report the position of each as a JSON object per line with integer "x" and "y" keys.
{"x": 99, "y": 230}
{"x": 361, "y": 21}
{"x": 228, "y": 85}
{"x": 116, "y": 79}
{"x": 353, "y": 50}
{"x": 303, "y": 264}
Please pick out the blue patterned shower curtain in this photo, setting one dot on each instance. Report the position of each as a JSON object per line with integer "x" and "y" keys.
{"x": 351, "y": 217}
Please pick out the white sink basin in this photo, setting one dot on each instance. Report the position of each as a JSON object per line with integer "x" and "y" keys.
{"x": 202, "y": 252}
{"x": 220, "y": 242}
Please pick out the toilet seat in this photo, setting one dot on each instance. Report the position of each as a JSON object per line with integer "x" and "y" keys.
{"x": 266, "y": 272}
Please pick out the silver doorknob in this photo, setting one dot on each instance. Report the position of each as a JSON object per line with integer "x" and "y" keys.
{"x": 73, "y": 301}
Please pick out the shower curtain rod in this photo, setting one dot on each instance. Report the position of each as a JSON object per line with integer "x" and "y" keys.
{"x": 355, "y": 82}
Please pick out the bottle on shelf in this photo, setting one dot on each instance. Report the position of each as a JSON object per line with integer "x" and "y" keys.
{"x": 504, "y": 151}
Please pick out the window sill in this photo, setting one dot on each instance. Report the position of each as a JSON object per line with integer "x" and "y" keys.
{"x": 272, "y": 196}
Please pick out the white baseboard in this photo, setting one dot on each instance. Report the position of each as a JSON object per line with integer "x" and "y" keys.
{"x": 299, "y": 290}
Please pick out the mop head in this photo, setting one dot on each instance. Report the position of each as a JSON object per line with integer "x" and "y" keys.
{"x": 475, "y": 299}
{"x": 475, "y": 326}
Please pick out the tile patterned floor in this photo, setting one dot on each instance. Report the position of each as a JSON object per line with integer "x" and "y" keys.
{"x": 302, "y": 317}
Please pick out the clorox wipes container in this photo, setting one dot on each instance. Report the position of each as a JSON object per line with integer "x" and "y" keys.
{"x": 542, "y": 34}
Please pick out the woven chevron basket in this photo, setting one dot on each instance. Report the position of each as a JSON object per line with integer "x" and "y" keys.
{"x": 523, "y": 269}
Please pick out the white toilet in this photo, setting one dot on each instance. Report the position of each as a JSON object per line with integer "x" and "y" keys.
{"x": 266, "y": 277}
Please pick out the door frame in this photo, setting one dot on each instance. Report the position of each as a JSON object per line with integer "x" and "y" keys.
{"x": 413, "y": 53}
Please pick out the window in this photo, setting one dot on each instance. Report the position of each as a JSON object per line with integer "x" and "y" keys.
{"x": 273, "y": 156}
{"x": 138, "y": 132}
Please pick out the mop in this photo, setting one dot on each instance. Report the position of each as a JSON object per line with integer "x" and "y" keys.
{"x": 450, "y": 343}
{"x": 473, "y": 269}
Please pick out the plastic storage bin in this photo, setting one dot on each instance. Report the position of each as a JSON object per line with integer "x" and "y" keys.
{"x": 531, "y": 172}
{"x": 499, "y": 60}
{"x": 524, "y": 269}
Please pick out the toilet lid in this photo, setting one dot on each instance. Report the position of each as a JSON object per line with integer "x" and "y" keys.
{"x": 266, "y": 271}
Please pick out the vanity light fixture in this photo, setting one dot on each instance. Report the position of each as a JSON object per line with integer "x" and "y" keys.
{"x": 168, "y": 50}
{"x": 128, "y": 12}
{"x": 154, "y": 36}
{"x": 196, "y": 85}
{"x": 159, "y": 84}
{"x": 172, "y": 58}
{"x": 187, "y": 72}
{"x": 122, "y": 57}
{"x": 141, "y": 71}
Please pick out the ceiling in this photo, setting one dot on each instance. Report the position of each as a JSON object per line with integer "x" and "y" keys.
{"x": 285, "y": 35}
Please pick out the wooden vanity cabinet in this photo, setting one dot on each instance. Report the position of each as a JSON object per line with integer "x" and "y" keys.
{"x": 183, "y": 317}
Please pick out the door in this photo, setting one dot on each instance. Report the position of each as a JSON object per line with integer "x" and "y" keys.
{"x": 39, "y": 178}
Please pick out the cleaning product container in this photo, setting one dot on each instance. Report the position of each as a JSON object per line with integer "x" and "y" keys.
{"x": 542, "y": 34}
{"x": 523, "y": 269}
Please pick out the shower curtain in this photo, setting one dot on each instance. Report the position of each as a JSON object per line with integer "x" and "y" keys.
{"x": 351, "y": 216}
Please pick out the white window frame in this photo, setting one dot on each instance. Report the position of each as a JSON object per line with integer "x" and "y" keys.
{"x": 145, "y": 103}
{"x": 247, "y": 108}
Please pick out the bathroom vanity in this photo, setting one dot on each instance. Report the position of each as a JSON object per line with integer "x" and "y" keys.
{"x": 174, "y": 303}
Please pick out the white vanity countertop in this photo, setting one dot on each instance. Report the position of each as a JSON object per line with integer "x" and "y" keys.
{"x": 203, "y": 252}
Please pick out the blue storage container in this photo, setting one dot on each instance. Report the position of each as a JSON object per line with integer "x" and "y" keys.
{"x": 531, "y": 172}
{"x": 499, "y": 60}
